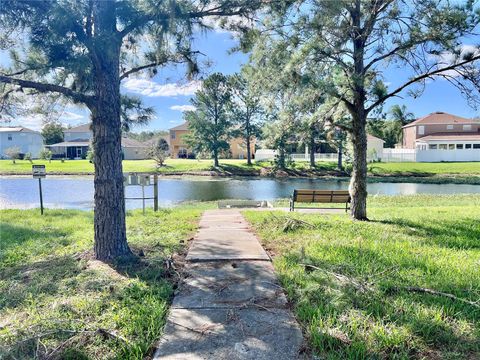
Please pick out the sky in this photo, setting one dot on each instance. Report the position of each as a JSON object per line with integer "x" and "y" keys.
{"x": 169, "y": 92}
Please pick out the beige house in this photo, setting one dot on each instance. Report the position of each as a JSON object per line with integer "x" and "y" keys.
{"x": 442, "y": 128}
{"x": 179, "y": 148}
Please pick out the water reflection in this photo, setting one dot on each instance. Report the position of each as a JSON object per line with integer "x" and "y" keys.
{"x": 77, "y": 191}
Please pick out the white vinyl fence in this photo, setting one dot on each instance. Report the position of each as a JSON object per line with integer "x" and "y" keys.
{"x": 269, "y": 154}
{"x": 398, "y": 155}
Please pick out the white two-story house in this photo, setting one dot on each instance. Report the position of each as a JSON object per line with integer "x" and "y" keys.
{"x": 26, "y": 140}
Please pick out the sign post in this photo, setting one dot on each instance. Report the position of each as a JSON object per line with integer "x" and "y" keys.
{"x": 39, "y": 172}
{"x": 142, "y": 180}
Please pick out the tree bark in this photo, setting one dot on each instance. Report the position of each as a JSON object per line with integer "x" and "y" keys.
{"x": 340, "y": 156}
{"x": 109, "y": 218}
{"x": 215, "y": 158}
{"x": 358, "y": 181}
{"x": 249, "y": 155}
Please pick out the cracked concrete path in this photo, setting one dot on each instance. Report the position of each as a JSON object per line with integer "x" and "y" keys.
{"x": 230, "y": 305}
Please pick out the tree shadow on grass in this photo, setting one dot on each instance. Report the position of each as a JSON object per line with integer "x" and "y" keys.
{"x": 345, "y": 318}
{"x": 458, "y": 234}
{"x": 36, "y": 279}
{"x": 14, "y": 235}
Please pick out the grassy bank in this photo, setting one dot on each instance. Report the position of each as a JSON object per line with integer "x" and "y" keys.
{"x": 460, "y": 173}
{"x": 354, "y": 286}
{"x": 57, "y": 302}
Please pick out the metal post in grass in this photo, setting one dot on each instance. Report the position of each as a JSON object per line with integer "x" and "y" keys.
{"x": 38, "y": 172}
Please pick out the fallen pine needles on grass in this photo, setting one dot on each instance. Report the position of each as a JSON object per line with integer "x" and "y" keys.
{"x": 405, "y": 285}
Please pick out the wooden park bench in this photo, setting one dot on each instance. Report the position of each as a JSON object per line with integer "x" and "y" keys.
{"x": 320, "y": 197}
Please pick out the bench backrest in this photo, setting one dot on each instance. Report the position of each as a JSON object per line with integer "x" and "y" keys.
{"x": 321, "y": 196}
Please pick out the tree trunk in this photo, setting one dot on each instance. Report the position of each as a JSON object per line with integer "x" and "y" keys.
{"x": 312, "y": 149}
{"x": 215, "y": 158}
{"x": 340, "y": 156}
{"x": 109, "y": 219}
{"x": 358, "y": 182}
{"x": 249, "y": 155}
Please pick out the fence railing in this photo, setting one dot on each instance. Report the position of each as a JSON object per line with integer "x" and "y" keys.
{"x": 398, "y": 155}
{"x": 318, "y": 157}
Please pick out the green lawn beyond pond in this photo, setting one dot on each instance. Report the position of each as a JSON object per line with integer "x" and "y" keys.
{"x": 350, "y": 283}
{"x": 468, "y": 172}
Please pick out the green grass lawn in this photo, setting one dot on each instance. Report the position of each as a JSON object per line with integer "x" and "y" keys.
{"x": 434, "y": 172}
{"x": 84, "y": 166}
{"x": 53, "y": 295}
{"x": 465, "y": 168}
{"x": 353, "y": 299}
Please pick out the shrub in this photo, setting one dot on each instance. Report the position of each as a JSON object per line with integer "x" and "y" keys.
{"x": 90, "y": 155}
{"x": 28, "y": 156}
{"x": 13, "y": 153}
{"x": 46, "y": 154}
{"x": 158, "y": 152}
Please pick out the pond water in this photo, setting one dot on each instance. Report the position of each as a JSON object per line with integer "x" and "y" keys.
{"x": 76, "y": 192}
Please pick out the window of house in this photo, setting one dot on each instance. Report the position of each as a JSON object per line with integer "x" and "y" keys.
{"x": 432, "y": 146}
{"x": 449, "y": 127}
{"x": 451, "y": 146}
{"x": 421, "y": 130}
{"x": 476, "y": 146}
{"x": 467, "y": 127}
{"x": 460, "y": 146}
{"x": 442, "y": 146}
{"x": 172, "y": 134}
{"x": 10, "y": 137}
{"x": 468, "y": 146}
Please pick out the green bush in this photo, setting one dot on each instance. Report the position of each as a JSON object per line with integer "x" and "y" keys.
{"x": 46, "y": 154}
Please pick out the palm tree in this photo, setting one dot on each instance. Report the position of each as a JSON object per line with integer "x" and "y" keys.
{"x": 401, "y": 117}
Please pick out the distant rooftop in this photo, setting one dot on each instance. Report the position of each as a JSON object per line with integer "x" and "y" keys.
{"x": 79, "y": 128}
{"x": 183, "y": 126}
{"x": 440, "y": 117}
{"x": 17, "y": 129}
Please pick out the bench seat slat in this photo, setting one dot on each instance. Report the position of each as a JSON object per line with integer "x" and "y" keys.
{"x": 320, "y": 196}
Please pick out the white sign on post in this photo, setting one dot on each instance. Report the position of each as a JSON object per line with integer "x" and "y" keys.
{"x": 38, "y": 171}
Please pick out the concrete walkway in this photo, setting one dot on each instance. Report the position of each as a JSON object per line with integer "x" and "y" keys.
{"x": 230, "y": 306}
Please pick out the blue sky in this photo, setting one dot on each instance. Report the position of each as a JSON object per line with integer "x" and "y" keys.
{"x": 169, "y": 92}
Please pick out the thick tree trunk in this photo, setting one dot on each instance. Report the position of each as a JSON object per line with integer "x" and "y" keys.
{"x": 109, "y": 218}
{"x": 358, "y": 182}
{"x": 249, "y": 155}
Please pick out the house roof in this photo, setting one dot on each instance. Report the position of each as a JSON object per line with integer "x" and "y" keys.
{"x": 440, "y": 117}
{"x": 451, "y": 137}
{"x": 183, "y": 126}
{"x": 127, "y": 142}
{"x": 17, "y": 129}
{"x": 77, "y": 142}
{"x": 371, "y": 137}
{"x": 80, "y": 128}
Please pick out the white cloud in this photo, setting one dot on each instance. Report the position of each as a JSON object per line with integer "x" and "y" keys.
{"x": 34, "y": 121}
{"x": 183, "y": 108}
{"x": 447, "y": 58}
{"x": 152, "y": 89}
{"x": 70, "y": 116}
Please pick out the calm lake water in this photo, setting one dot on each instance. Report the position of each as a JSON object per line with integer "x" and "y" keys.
{"x": 76, "y": 192}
